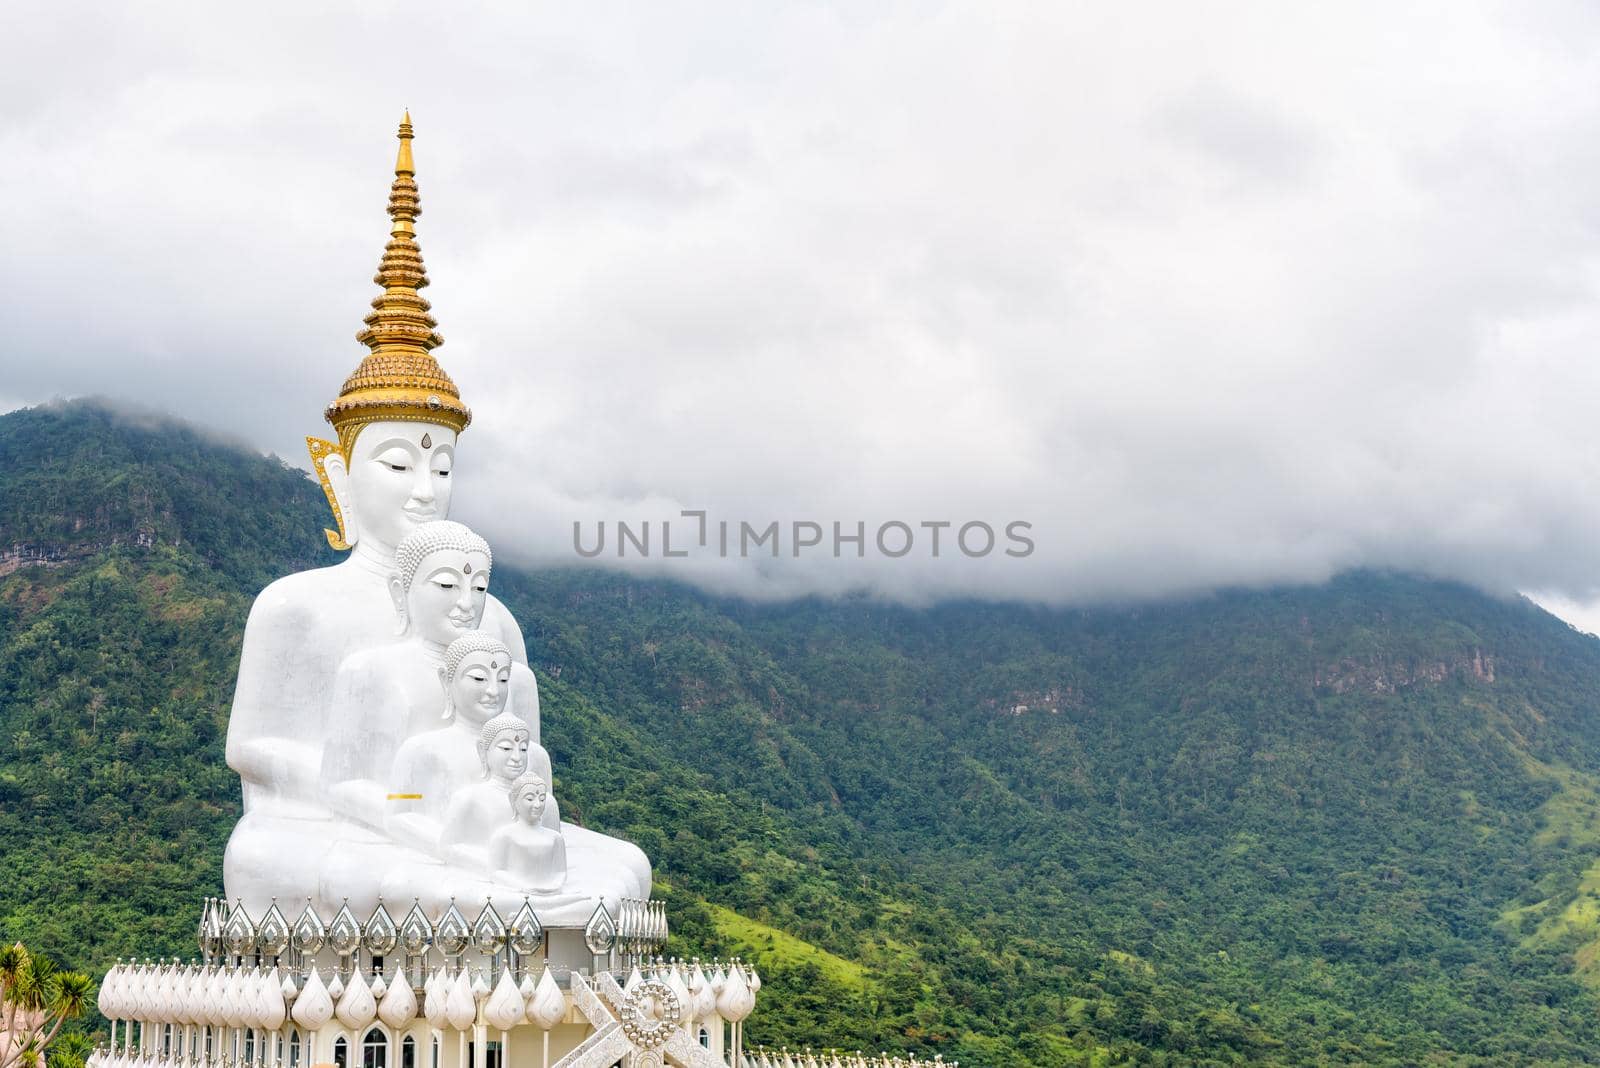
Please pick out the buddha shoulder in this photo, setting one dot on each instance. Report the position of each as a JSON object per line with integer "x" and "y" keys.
{"x": 306, "y": 597}
{"x": 497, "y": 620}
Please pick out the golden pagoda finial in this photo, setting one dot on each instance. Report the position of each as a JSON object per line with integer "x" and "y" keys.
{"x": 402, "y": 159}
{"x": 399, "y": 379}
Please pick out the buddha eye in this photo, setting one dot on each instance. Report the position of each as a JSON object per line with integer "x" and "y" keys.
{"x": 396, "y": 467}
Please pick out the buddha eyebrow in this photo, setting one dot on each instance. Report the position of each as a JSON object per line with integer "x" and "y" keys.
{"x": 409, "y": 446}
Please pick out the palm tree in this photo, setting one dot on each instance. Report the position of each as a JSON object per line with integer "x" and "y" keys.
{"x": 36, "y": 1000}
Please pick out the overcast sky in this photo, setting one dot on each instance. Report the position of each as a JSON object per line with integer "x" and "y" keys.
{"x": 1208, "y": 294}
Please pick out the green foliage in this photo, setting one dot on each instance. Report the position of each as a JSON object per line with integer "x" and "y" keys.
{"x": 1352, "y": 823}
{"x": 37, "y": 999}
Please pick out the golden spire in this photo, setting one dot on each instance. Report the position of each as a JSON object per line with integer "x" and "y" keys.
{"x": 399, "y": 379}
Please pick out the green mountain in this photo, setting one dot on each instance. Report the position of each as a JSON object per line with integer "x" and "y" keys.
{"x": 1356, "y": 823}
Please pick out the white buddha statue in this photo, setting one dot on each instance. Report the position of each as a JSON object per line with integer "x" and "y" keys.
{"x": 387, "y": 698}
{"x": 481, "y": 744}
{"x": 473, "y": 810}
{"x": 525, "y": 852}
{"x": 397, "y": 420}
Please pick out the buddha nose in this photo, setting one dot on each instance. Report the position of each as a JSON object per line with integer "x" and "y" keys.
{"x": 422, "y": 484}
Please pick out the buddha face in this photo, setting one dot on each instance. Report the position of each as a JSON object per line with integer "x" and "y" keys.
{"x": 398, "y": 477}
{"x": 479, "y": 690}
{"x": 529, "y": 802}
{"x": 507, "y": 758}
{"x": 446, "y": 597}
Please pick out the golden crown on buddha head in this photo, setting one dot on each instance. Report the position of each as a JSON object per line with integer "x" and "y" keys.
{"x": 399, "y": 379}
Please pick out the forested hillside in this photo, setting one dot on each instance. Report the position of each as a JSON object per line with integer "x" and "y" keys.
{"x": 1357, "y": 823}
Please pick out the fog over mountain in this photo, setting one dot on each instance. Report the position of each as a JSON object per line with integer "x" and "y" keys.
{"x": 1204, "y": 296}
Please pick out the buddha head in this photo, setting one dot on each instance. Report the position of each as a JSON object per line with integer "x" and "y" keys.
{"x": 476, "y": 675}
{"x": 440, "y": 582}
{"x": 527, "y": 798}
{"x": 399, "y": 413}
{"x": 396, "y": 476}
{"x": 503, "y": 747}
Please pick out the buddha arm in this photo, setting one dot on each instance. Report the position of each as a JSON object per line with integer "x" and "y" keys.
{"x": 407, "y": 808}
{"x": 463, "y": 838}
{"x": 282, "y": 766}
{"x": 272, "y": 741}
{"x": 365, "y": 712}
{"x": 500, "y": 856}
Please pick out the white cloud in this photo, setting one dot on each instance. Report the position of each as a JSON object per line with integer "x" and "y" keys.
{"x": 1208, "y": 295}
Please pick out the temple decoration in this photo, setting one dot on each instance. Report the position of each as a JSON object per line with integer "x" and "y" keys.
{"x": 399, "y": 379}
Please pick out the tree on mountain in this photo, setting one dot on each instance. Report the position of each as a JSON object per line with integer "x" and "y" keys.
{"x": 36, "y": 1000}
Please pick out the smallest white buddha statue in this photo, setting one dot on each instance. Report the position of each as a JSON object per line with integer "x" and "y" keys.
{"x": 524, "y": 852}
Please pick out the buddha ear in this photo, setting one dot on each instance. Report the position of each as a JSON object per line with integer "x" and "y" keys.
{"x": 334, "y": 474}
{"x": 343, "y": 499}
{"x": 397, "y": 594}
{"x": 449, "y": 701}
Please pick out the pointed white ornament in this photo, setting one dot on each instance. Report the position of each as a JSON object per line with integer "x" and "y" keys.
{"x": 314, "y": 1006}
{"x": 548, "y": 1005}
{"x": 162, "y": 1004}
{"x": 357, "y": 1007}
{"x": 269, "y": 994}
{"x": 106, "y": 999}
{"x": 503, "y": 1010}
{"x": 680, "y": 989}
{"x": 194, "y": 996}
{"x": 459, "y": 1008}
{"x": 136, "y": 993}
{"x": 216, "y": 992}
{"x": 399, "y": 1004}
{"x": 250, "y": 998}
{"x": 735, "y": 1001}
{"x": 705, "y": 998}
{"x": 434, "y": 993}
{"x": 232, "y": 1001}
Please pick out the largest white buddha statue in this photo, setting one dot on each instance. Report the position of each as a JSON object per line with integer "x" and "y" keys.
{"x": 397, "y": 421}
